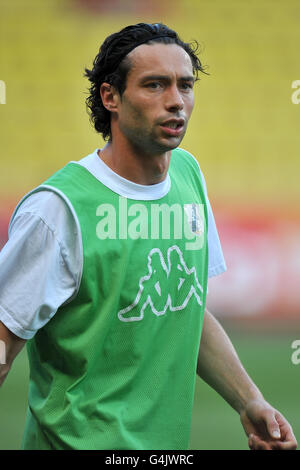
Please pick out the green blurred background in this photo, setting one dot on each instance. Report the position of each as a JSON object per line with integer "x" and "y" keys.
{"x": 243, "y": 132}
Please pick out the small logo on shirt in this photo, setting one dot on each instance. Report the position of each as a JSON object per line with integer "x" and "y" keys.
{"x": 195, "y": 218}
{"x": 168, "y": 284}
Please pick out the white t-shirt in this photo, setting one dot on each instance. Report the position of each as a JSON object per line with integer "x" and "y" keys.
{"x": 41, "y": 264}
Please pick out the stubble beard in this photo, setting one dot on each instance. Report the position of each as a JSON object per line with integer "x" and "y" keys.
{"x": 148, "y": 143}
{"x": 146, "y": 139}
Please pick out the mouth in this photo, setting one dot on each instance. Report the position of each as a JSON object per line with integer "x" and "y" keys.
{"x": 173, "y": 127}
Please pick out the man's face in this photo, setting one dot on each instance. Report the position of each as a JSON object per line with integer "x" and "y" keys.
{"x": 156, "y": 105}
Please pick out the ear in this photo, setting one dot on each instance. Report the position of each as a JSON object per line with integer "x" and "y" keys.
{"x": 109, "y": 96}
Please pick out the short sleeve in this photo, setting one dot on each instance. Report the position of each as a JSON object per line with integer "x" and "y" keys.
{"x": 37, "y": 270}
{"x": 216, "y": 261}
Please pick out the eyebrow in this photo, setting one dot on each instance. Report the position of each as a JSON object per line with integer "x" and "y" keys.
{"x": 188, "y": 78}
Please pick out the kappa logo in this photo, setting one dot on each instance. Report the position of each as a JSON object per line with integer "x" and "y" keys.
{"x": 167, "y": 285}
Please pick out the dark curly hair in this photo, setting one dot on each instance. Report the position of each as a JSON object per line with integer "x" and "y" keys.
{"x": 111, "y": 65}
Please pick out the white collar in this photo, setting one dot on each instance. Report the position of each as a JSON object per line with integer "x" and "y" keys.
{"x": 120, "y": 185}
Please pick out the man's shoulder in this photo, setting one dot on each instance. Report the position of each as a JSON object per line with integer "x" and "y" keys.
{"x": 40, "y": 201}
{"x": 43, "y": 205}
{"x": 71, "y": 179}
{"x": 182, "y": 157}
{"x": 182, "y": 151}
{"x": 46, "y": 201}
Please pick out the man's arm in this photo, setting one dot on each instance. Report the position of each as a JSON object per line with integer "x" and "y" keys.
{"x": 12, "y": 345}
{"x": 219, "y": 366}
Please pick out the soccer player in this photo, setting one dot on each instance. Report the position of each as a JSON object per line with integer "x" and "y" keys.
{"x": 105, "y": 271}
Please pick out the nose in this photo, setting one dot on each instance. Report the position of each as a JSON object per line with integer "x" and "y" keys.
{"x": 174, "y": 99}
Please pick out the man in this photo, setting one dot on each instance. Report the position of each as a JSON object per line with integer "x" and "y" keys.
{"x": 105, "y": 272}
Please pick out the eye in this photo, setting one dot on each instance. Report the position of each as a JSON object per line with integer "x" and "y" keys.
{"x": 187, "y": 86}
{"x": 153, "y": 85}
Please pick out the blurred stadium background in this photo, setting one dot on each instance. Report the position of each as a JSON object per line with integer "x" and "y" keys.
{"x": 244, "y": 134}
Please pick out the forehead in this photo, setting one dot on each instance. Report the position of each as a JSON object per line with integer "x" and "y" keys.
{"x": 159, "y": 58}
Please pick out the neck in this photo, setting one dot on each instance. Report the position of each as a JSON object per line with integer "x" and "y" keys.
{"x": 135, "y": 165}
